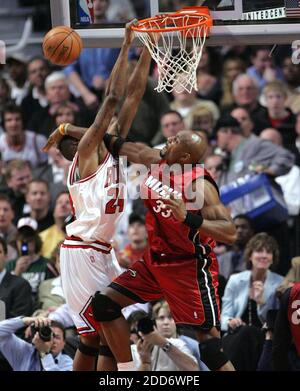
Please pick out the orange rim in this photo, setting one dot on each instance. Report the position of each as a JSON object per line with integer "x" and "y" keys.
{"x": 145, "y": 26}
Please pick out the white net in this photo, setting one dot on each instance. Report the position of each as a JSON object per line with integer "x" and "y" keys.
{"x": 177, "y": 53}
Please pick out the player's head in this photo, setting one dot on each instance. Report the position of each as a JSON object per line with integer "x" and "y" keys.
{"x": 68, "y": 147}
{"x": 186, "y": 147}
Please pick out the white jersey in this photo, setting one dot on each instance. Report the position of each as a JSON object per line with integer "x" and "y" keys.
{"x": 98, "y": 200}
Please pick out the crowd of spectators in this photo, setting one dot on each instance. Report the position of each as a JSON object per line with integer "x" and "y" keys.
{"x": 247, "y": 107}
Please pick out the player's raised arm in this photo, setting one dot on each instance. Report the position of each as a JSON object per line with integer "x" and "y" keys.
{"x": 135, "y": 91}
{"x": 94, "y": 135}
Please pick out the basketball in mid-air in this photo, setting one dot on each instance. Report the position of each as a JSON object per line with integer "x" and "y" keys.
{"x": 62, "y": 45}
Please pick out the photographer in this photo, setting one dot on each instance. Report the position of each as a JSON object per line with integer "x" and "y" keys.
{"x": 159, "y": 349}
{"x": 44, "y": 353}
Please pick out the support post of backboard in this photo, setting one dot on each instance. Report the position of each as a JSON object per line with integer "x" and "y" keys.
{"x": 2, "y": 310}
{"x": 60, "y": 13}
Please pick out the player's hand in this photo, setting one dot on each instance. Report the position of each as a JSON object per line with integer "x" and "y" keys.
{"x": 177, "y": 207}
{"x": 129, "y": 33}
{"x": 53, "y": 140}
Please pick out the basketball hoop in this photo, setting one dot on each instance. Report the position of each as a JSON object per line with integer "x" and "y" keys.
{"x": 187, "y": 29}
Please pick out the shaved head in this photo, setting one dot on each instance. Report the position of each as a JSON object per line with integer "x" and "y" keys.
{"x": 187, "y": 147}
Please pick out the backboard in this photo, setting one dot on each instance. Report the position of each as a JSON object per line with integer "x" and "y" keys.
{"x": 236, "y": 22}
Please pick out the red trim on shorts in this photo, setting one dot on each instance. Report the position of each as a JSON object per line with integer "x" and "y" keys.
{"x": 95, "y": 241}
{"x": 85, "y": 246}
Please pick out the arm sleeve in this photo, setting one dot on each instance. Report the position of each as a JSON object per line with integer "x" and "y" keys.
{"x": 62, "y": 315}
{"x": 227, "y": 304}
{"x": 13, "y": 348}
{"x": 282, "y": 336}
{"x": 282, "y": 160}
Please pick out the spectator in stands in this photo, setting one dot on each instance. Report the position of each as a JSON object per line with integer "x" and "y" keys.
{"x": 213, "y": 164}
{"x": 18, "y": 174}
{"x": 291, "y": 75}
{"x": 246, "y": 92}
{"x": 57, "y": 92}
{"x": 56, "y": 232}
{"x": 14, "y": 290}
{"x": 278, "y": 116}
{"x": 29, "y": 264}
{"x": 18, "y": 143}
{"x": 35, "y": 100}
{"x": 289, "y": 182}
{"x": 4, "y": 99}
{"x": 291, "y": 277}
{"x": 16, "y": 67}
{"x": 38, "y": 200}
{"x": 231, "y": 69}
{"x": 170, "y": 123}
{"x": 201, "y": 119}
{"x": 263, "y": 69}
{"x": 39, "y": 355}
{"x": 248, "y": 297}
{"x": 249, "y": 155}
{"x": 161, "y": 349}
{"x": 233, "y": 261}
{"x": 208, "y": 83}
{"x": 184, "y": 102}
{"x": 246, "y": 123}
{"x": 50, "y": 293}
{"x": 7, "y": 228}
{"x": 137, "y": 236}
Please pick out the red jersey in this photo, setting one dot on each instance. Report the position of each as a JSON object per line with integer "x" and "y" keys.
{"x": 167, "y": 235}
{"x": 294, "y": 314}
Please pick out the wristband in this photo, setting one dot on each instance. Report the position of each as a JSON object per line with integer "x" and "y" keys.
{"x": 193, "y": 221}
{"x": 117, "y": 145}
{"x": 63, "y": 129}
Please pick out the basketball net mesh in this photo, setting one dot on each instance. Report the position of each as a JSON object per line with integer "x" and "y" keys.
{"x": 177, "y": 70}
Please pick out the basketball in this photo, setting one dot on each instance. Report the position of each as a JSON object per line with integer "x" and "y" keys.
{"x": 62, "y": 45}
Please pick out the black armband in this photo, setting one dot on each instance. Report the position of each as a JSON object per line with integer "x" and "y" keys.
{"x": 193, "y": 221}
{"x": 117, "y": 145}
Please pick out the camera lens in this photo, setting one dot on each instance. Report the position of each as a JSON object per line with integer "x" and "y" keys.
{"x": 145, "y": 325}
{"x": 45, "y": 333}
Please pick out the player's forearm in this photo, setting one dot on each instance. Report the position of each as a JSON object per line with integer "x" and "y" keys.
{"x": 221, "y": 230}
{"x": 76, "y": 131}
{"x": 135, "y": 91}
{"x": 117, "y": 80}
{"x": 140, "y": 153}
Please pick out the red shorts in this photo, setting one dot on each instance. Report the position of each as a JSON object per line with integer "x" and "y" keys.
{"x": 188, "y": 285}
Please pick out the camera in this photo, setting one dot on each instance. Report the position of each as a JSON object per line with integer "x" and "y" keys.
{"x": 45, "y": 332}
{"x": 145, "y": 325}
{"x": 24, "y": 248}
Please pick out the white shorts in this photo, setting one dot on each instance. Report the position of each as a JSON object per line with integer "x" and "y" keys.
{"x": 83, "y": 272}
